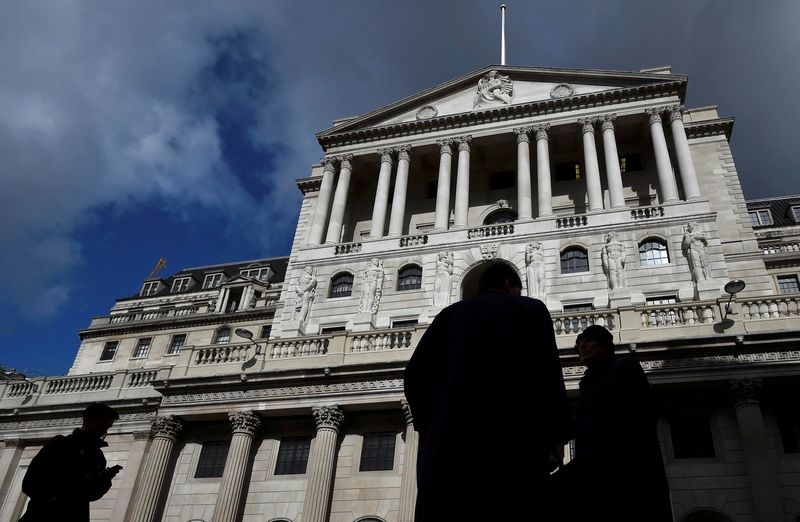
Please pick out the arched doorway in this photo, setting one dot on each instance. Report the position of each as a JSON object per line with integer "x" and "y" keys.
{"x": 471, "y": 278}
{"x": 705, "y": 515}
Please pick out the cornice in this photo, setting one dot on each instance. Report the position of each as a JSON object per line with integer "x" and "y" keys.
{"x": 169, "y": 323}
{"x": 333, "y": 138}
{"x": 704, "y": 129}
{"x": 307, "y": 185}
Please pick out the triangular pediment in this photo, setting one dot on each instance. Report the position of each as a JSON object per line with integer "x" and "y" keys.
{"x": 498, "y": 86}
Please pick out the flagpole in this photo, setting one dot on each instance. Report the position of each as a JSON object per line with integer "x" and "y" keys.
{"x": 502, "y": 34}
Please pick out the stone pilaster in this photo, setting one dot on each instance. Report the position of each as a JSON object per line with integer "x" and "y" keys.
{"x": 760, "y": 469}
{"x": 593, "y": 186}
{"x": 244, "y": 425}
{"x": 323, "y": 463}
{"x": 153, "y": 478}
{"x": 691, "y": 189}
{"x": 340, "y": 200}
{"x": 666, "y": 178}
{"x": 323, "y": 202}
{"x": 408, "y": 484}
{"x": 462, "y": 183}
{"x": 524, "y": 198}
{"x": 613, "y": 173}
{"x": 382, "y": 194}
{"x": 442, "y": 219}
{"x": 543, "y": 183}
{"x": 400, "y": 188}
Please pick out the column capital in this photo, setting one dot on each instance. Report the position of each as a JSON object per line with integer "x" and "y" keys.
{"x": 463, "y": 142}
{"x": 406, "y": 412}
{"x": 676, "y": 112}
{"x": 746, "y": 391}
{"x": 522, "y": 134}
{"x": 655, "y": 114}
{"x": 541, "y": 131}
{"x": 345, "y": 161}
{"x": 328, "y": 417}
{"x": 167, "y": 427}
{"x": 328, "y": 163}
{"x": 608, "y": 121}
{"x": 403, "y": 152}
{"x": 587, "y": 124}
{"x": 246, "y": 422}
{"x": 386, "y": 155}
{"x": 445, "y": 146}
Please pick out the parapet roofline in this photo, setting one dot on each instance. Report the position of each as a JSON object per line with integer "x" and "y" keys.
{"x": 235, "y": 263}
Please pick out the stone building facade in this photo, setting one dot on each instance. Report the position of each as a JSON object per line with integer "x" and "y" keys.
{"x": 271, "y": 390}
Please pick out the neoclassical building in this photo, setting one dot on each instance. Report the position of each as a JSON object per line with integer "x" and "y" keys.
{"x": 271, "y": 390}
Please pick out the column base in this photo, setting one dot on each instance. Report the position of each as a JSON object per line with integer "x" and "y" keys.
{"x": 363, "y": 322}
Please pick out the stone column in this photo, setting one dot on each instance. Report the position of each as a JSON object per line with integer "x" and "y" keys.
{"x": 9, "y": 461}
{"x": 400, "y": 188}
{"x": 153, "y": 478}
{"x": 755, "y": 444}
{"x": 323, "y": 202}
{"x": 244, "y": 424}
{"x": 543, "y": 171}
{"x": 688, "y": 176}
{"x": 408, "y": 484}
{"x": 442, "y": 220}
{"x": 381, "y": 194}
{"x": 462, "y": 183}
{"x": 524, "y": 199}
{"x": 323, "y": 464}
{"x": 613, "y": 173}
{"x": 340, "y": 200}
{"x": 592, "y": 168}
{"x": 666, "y": 178}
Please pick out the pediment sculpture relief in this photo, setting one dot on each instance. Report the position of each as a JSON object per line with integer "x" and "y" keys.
{"x": 493, "y": 89}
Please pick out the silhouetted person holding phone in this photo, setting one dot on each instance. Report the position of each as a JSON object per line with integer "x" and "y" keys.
{"x": 487, "y": 395}
{"x": 617, "y": 473}
{"x": 69, "y": 472}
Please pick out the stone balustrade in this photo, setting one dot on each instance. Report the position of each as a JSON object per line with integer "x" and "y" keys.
{"x": 298, "y": 347}
{"x": 647, "y": 212}
{"x": 189, "y": 310}
{"x": 21, "y": 389}
{"x": 572, "y": 221}
{"x": 346, "y": 248}
{"x": 80, "y": 383}
{"x": 137, "y": 379}
{"x": 419, "y": 240}
{"x": 380, "y": 340}
{"x": 783, "y": 248}
{"x": 575, "y": 323}
{"x": 771, "y": 308}
{"x": 221, "y": 354}
{"x": 679, "y": 314}
{"x": 500, "y": 229}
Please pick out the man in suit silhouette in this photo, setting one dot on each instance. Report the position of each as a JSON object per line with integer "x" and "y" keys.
{"x": 487, "y": 394}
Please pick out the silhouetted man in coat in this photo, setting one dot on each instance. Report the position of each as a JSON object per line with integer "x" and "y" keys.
{"x": 487, "y": 395}
{"x": 69, "y": 472}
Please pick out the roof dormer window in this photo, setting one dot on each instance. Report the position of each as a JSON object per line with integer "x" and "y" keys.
{"x": 149, "y": 288}
{"x": 212, "y": 280}
{"x": 261, "y": 274}
{"x": 760, "y": 218}
{"x": 796, "y": 213}
{"x": 180, "y": 285}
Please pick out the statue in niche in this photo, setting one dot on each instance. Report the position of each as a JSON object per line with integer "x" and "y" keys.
{"x": 534, "y": 259}
{"x": 443, "y": 283}
{"x": 613, "y": 259}
{"x": 305, "y": 289}
{"x": 694, "y": 246}
{"x": 494, "y": 88}
{"x": 372, "y": 287}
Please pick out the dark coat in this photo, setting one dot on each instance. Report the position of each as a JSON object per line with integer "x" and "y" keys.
{"x": 487, "y": 396}
{"x": 64, "y": 477}
{"x": 618, "y": 457}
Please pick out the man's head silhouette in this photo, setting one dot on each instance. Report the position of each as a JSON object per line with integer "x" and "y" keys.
{"x": 500, "y": 277}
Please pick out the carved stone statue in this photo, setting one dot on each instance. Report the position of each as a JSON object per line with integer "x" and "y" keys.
{"x": 372, "y": 287}
{"x": 305, "y": 290}
{"x": 613, "y": 258}
{"x": 493, "y": 89}
{"x": 694, "y": 247}
{"x": 443, "y": 283}
{"x": 534, "y": 259}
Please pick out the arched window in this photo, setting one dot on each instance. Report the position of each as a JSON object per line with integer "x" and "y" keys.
{"x": 573, "y": 260}
{"x": 409, "y": 277}
{"x": 653, "y": 252}
{"x": 222, "y": 335}
{"x": 342, "y": 285}
{"x": 501, "y": 216}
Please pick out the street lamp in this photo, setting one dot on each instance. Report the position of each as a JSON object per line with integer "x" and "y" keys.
{"x": 247, "y": 334}
{"x": 732, "y": 288}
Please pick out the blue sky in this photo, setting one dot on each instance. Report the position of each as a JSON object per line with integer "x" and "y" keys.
{"x": 135, "y": 130}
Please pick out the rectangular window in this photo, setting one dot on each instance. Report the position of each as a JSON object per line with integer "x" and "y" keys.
{"x": 109, "y": 350}
{"x": 327, "y": 330}
{"x": 212, "y": 459}
{"x": 262, "y": 274}
{"x": 661, "y": 300}
{"x": 180, "y": 285}
{"x": 265, "y": 331}
{"x": 176, "y": 344}
{"x": 789, "y": 428}
{"x": 293, "y": 455}
{"x": 405, "y": 323}
{"x": 212, "y": 281}
{"x": 150, "y": 288}
{"x": 760, "y": 218}
{"x": 788, "y": 284}
{"x": 691, "y": 436}
{"x": 630, "y": 163}
{"x": 377, "y": 453}
{"x": 502, "y": 180}
{"x": 142, "y": 348}
{"x": 568, "y": 171}
{"x": 580, "y": 307}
